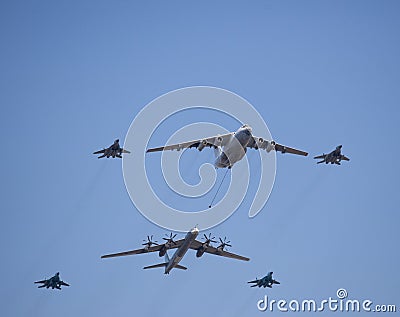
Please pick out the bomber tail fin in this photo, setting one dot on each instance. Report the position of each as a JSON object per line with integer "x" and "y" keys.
{"x": 166, "y": 257}
{"x": 181, "y": 267}
{"x": 155, "y": 266}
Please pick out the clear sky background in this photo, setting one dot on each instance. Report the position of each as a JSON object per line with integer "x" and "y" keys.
{"x": 73, "y": 75}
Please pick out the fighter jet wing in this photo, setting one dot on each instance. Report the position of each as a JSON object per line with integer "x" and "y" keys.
{"x": 320, "y": 156}
{"x": 125, "y": 151}
{"x": 99, "y": 152}
{"x": 212, "y": 250}
{"x": 63, "y": 283}
{"x": 39, "y": 282}
{"x": 260, "y": 143}
{"x": 155, "y": 248}
{"x": 215, "y": 141}
{"x": 255, "y": 281}
{"x": 345, "y": 158}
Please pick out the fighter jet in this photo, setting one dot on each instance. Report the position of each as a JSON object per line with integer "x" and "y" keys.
{"x": 182, "y": 246}
{"x": 113, "y": 151}
{"x": 231, "y": 148}
{"x": 334, "y": 157}
{"x": 266, "y": 281}
{"x": 53, "y": 282}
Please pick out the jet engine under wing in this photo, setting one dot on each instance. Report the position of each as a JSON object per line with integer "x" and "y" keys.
{"x": 215, "y": 141}
{"x": 260, "y": 143}
{"x": 212, "y": 250}
{"x": 144, "y": 250}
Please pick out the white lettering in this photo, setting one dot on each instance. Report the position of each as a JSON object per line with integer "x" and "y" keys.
{"x": 261, "y": 302}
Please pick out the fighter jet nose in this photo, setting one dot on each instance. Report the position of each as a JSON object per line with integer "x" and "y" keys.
{"x": 340, "y": 146}
{"x": 117, "y": 141}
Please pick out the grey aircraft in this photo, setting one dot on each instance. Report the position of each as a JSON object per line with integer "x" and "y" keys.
{"x": 231, "y": 148}
{"x": 335, "y": 157}
{"x": 53, "y": 282}
{"x": 182, "y": 246}
{"x": 113, "y": 151}
{"x": 266, "y": 281}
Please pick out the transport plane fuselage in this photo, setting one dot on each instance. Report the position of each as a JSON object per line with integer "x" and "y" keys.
{"x": 236, "y": 148}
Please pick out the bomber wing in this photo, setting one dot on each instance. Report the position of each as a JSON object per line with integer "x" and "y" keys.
{"x": 215, "y": 142}
{"x": 212, "y": 250}
{"x": 260, "y": 143}
{"x": 155, "y": 248}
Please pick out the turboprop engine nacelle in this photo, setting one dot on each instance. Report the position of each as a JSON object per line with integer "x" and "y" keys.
{"x": 200, "y": 252}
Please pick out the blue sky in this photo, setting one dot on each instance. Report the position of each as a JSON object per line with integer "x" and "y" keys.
{"x": 74, "y": 74}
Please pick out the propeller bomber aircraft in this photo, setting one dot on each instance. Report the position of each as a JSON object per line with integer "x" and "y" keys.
{"x": 182, "y": 246}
